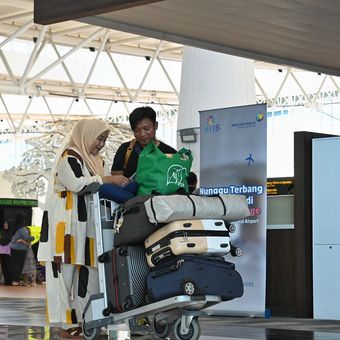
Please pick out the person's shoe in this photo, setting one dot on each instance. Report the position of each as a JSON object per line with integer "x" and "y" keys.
{"x": 72, "y": 333}
{"x": 143, "y": 322}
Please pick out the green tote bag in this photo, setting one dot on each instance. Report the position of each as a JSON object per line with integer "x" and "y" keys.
{"x": 162, "y": 173}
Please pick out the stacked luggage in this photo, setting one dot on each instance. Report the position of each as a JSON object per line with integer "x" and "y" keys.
{"x": 173, "y": 245}
{"x": 186, "y": 258}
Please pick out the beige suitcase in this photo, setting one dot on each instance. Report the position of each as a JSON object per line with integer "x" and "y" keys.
{"x": 188, "y": 237}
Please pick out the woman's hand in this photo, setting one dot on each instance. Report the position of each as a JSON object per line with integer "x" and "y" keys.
{"x": 116, "y": 179}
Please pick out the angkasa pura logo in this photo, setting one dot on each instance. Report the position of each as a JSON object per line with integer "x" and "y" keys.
{"x": 211, "y": 126}
{"x": 248, "y": 124}
{"x": 259, "y": 116}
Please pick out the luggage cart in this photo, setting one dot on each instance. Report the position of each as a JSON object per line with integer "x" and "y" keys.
{"x": 179, "y": 313}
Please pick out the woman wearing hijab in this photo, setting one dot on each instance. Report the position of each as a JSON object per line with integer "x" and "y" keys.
{"x": 67, "y": 241}
{"x": 5, "y": 252}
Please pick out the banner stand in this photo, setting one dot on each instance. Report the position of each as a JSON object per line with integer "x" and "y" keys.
{"x": 233, "y": 160}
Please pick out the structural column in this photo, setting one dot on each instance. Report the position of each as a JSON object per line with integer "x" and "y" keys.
{"x": 211, "y": 80}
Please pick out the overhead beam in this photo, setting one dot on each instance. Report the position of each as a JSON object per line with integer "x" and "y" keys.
{"x": 85, "y": 42}
{"x": 8, "y": 67}
{"x": 24, "y": 4}
{"x": 52, "y": 11}
{"x": 50, "y": 88}
{"x": 25, "y": 114}
{"x": 119, "y": 75}
{"x": 17, "y": 33}
{"x": 116, "y": 46}
{"x": 94, "y": 64}
{"x": 33, "y": 56}
{"x": 76, "y": 29}
{"x": 225, "y": 48}
{"x": 64, "y": 66}
{"x": 49, "y": 108}
{"x": 168, "y": 76}
{"x": 8, "y": 114}
{"x": 15, "y": 17}
{"x": 148, "y": 70}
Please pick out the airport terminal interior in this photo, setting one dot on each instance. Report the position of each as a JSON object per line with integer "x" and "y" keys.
{"x": 104, "y": 60}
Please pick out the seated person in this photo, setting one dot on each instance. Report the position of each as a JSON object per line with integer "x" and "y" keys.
{"x": 144, "y": 125}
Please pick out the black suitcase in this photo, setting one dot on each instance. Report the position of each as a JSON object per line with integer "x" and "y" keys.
{"x": 126, "y": 270}
{"x": 194, "y": 275}
{"x": 136, "y": 226}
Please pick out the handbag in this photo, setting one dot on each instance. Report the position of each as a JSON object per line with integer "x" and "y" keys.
{"x": 162, "y": 173}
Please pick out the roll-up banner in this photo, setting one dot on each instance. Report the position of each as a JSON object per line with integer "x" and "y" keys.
{"x": 233, "y": 153}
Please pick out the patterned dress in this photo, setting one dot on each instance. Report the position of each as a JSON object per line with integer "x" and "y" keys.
{"x": 67, "y": 241}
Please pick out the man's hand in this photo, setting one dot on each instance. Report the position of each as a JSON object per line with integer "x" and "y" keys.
{"x": 116, "y": 179}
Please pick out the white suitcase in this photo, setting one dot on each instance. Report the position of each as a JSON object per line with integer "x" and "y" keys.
{"x": 188, "y": 237}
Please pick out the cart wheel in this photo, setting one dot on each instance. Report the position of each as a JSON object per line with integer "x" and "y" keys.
{"x": 90, "y": 334}
{"x": 189, "y": 288}
{"x": 194, "y": 330}
{"x": 161, "y": 331}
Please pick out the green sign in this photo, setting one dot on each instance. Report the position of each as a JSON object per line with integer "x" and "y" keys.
{"x": 18, "y": 202}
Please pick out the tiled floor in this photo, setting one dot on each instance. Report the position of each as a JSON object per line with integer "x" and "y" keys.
{"x": 22, "y": 317}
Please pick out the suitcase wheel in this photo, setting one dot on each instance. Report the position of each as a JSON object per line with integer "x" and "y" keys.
{"x": 193, "y": 332}
{"x": 188, "y": 288}
{"x": 232, "y": 228}
{"x": 108, "y": 310}
{"x": 128, "y": 304}
{"x": 235, "y": 251}
{"x": 103, "y": 258}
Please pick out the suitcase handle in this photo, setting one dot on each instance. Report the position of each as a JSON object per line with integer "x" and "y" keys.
{"x": 166, "y": 270}
{"x": 158, "y": 257}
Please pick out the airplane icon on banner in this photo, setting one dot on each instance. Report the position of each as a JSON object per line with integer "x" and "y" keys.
{"x": 250, "y": 159}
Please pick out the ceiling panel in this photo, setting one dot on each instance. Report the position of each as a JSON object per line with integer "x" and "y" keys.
{"x": 300, "y": 33}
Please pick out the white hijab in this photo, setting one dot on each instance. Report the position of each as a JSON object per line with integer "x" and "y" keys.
{"x": 83, "y": 135}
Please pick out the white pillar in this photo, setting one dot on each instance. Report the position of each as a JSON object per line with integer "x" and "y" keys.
{"x": 211, "y": 80}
